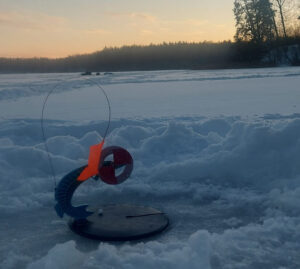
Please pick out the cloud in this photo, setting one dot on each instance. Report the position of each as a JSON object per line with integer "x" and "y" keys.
{"x": 149, "y": 25}
{"x": 195, "y": 22}
{"x": 143, "y": 16}
{"x": 187, "y": 27}
{"x": 138, "y": 17}
{"x": 31, "y": 21}
{"x": 134, "y": 16}
{"x": 221, "y": 25}
{"x": 96, "y": 31}
{"x": 147, "y": 32}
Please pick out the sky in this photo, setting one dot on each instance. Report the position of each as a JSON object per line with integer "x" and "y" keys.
{"x": 59, "y": 28}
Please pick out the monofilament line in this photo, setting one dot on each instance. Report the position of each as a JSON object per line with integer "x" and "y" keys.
{"x": 91, "y": 82}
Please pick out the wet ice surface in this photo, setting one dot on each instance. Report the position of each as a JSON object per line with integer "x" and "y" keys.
{"x": 218, "y": 151}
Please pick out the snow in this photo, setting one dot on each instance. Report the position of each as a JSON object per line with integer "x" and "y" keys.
{"x": 218, "y": 151}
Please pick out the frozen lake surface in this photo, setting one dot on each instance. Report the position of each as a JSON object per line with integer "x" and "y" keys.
{"x": 218, "y": 151}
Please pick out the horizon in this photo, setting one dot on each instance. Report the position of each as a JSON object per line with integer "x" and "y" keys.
{"x": 120, "y": 48}
{"x": 39, "y": 29}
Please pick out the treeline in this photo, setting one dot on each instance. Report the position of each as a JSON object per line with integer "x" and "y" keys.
{"x": 280, "y": 51}
{"x": 267, "y": 31}
{"x": 181, "y": 55}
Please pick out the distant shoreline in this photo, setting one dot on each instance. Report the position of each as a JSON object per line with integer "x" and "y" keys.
{"x": 101, "y": 74}
{"x": 166, "y": 56}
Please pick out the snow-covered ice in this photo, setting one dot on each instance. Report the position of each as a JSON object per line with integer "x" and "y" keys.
{"x": 217, "y": 150}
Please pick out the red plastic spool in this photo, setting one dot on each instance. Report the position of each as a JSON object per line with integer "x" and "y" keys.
{"x": 121, "y": 159}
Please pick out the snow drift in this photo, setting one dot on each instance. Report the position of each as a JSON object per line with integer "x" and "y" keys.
{"x": 229, "y": 182}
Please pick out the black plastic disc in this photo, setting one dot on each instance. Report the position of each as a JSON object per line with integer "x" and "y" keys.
{"x": 121, "y": 223}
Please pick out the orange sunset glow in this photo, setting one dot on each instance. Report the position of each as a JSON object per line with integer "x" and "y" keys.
{"x": 37, "y": 28}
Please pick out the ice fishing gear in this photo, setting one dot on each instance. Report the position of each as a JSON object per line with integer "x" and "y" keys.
{"x": 97, "y": 167}
{"x": 107, "y": 222}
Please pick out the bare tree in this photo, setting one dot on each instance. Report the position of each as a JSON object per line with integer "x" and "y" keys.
{"x": 275, "y": 25}
{"x": 280, "y": 5}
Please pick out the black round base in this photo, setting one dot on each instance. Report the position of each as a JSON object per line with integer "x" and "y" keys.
{"x": 121, "y": 223}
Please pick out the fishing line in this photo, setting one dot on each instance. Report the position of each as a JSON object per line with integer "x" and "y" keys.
{"x": 108, "y": 104}
{"x": 44, "y": 138}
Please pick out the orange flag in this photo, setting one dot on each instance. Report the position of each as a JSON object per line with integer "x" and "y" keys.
{"x": 93, "y": 163}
